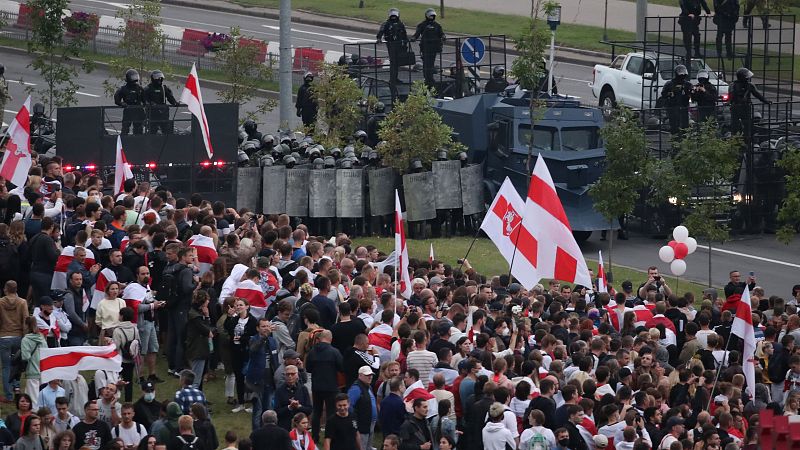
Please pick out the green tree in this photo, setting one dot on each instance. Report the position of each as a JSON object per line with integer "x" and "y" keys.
{"x": 789, "y": 212}
{"x": 53, "y": 53}
{"x": 338, "y": 99}
{"x": 238, "y": 62}
{"x": 414, "y": 130}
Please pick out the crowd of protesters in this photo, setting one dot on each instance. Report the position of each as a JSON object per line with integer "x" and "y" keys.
{"x": 317, "y": 347}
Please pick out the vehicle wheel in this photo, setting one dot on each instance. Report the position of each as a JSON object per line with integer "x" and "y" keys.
{"x": 608, "y": 101}
{"x": 581, "y": 236}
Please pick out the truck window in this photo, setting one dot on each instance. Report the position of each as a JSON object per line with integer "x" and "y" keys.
{"x": 634, "y": 65}
{"x": 544, "y": 138}
{"x": 579, "y": 138}
{"x": 617, "y": 63}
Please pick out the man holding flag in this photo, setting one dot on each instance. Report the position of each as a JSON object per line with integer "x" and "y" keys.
{"x": 743, "y": 327}
{"x": 17, "y": 158}
{"x": 139, "y": 298}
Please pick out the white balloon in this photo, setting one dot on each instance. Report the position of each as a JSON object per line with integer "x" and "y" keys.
{"x": 666, "y": 254}
{"x": 678, "y": 267}
{"x": 680, "y": 233}
{"x": 691, "y": 244}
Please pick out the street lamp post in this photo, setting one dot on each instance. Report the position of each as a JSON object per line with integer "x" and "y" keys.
{"x": 554, "y": 20}
{"x": 285, "y": 64}
{"x": 605, "y": 22}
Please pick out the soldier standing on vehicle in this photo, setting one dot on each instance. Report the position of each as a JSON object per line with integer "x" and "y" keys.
{"x": 306, "y": 103}
{"x": 689, "y": 20}
{"x": 675, "y": 96}
{"x": 741, "y": 90}
{"x": 394, "y": 32}
{"x": 726, "y": 14}
{"x": 705, "y": 95}
{"x": 131, "y": 97}
{"x": 5, "y": 96}
{"x": 498, "y": 81}
{"x": 431, "y": 36}
{"x": 156, "y": 96}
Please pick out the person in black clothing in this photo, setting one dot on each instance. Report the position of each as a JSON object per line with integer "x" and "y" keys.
{"x": 675, "y": 97}
{"x": 340, "y": 428}
{"x": 443, "y": 339}
{"x": 344, "y": 331}
{"x": 135, "y": 256}
{"x": 241, "y": 326}
{"x": 571, "y": 397}
{"x": 476, "y": 414}
{"x": 544, "y": 403}
{"x": 44, "y": 255}
{"x": 374, "y": 124}
{"x": 705, "y": 95}
{"x": 576, "y": 416}
{"x": 324, "y": 362}
{"x": 689, "y": 20}
{"x": 393, "y": 31}
{"x": 147, "y": 410}
{"x": 726, "y": 14}
{"x": 156, "y": 96}
{"x": 178, "y": 307}
{"x": 123, "y": 273}
{"x": 357, "y": 356}
{"x": 186, "y": 437}
{"x": 742, "y": 89}
{"x": 415, "y": 433}
{"x": 431, "y": 36}
{"x": 306, "y": 103}
{"x": 270, "y": 435}
{"x": 291, "y": 398}
{"x": 498, "y": 81}
{"x": 736, "y": 286}
{"x": 91, "y": 432}
{"x": 73, "y": 306}
{"x": 131, "y": 97}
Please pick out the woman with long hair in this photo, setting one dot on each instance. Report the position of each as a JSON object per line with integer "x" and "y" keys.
{"x": 31, "y": 439}
{"x": 442, "y": 425}
{"x": 222, "y": 346}
{"x": 48, "y": 430}
{"x": 628, "y": 324}
{"x": 66, "y": 441}
{"x": 147, "y": 443}
{"x": 107, "y": 312}
{"x": 301, "y": 438}
{"x": 16, "y": 234}
{"x": 198, "y": 335}
{"x": 203, "y": 428}
{"x": 241, "y": 326}
{"x": 15, "y": 420}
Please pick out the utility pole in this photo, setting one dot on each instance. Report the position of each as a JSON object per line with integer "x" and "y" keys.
{"x": 285, "y": 64}
{"x": 641, "y": 13}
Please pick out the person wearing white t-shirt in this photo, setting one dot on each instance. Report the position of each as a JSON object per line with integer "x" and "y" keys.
{"x": 496, "y": 435}
{"x": 536, "y": 419}
{"x": 129, "y": 431}
{"x": 675, "y": 428}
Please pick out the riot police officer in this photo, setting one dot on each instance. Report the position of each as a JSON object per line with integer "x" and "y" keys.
{"x": 689, "y": 20}
{"x": 156, "y": 96}
{"x": 705, "y": 95}
{"x": 374, "y": 124}
{"x": 741, "y": 90}
{"x": 306, "y": 104}
{"x": 498, "y": 81}
{"x": 394, "y": 32}
{"x": 251, "y": 128}
{"x": 431, "y": 36}
{"x": 675, "y": 97}
{"x": 131, "y": 97}
{"x": 5, "y": 96}
{"x": 726, "y": 14}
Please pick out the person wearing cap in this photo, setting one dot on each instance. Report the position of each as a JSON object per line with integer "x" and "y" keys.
{"x": 600, "y": 442}
{"x": 435, "y": 283}
{"x": 291, "y": 358}
{"x": 363, "y": 405}
{"x": 291, "y": 397}
{"x": 147, "y": 410}
{"x": 674, "y": 429}
{"x": 495, "y": 435}
{"x": 630, "y": 297}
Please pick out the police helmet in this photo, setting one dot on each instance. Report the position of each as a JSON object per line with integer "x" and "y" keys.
{"x": 374, "y": 156}
{"x": 313, "y": 152}
{"x": 336, "y": 152}
{"x": 38, "y": 109}
{"x": 157, "y": 75}
{"x": 308, "y": 76}
{"x": 289, "y": 161}
{"x": 380, "y": 107}
{"x": 243, "y": 159}
{"x": 131, "y": 76}
{"x": 329, "y": 162}
{"x": 743, "y": 74}
{"x": 415, "y": 166}
{"x": 296, "y": 156}
{"x": 285, "y": 149}
{"x": 297, "y": 136}
{"x": 242, "y": 135}
{"x": 499, "y": 72}
{"x": 2, "y": 69}
{"x": 267, "y": 161}
{"x": 250, "y": 146}
{"x": 702, "y": 75}
{"x": 250, "y": 126}
{"x": 346, "y": 163}
{"x": 360, "y": 134}
{"x": 430, "y": 13}
{"x": 441, "y": 155}
{"x": 267, "y": 140}
{"x": 680, "y": 70}
{"x": 394, "y": 12}
{"x": 318, "y": 163}
{"x": 343, "y": 60}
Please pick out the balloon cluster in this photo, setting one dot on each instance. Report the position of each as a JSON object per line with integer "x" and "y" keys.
{"x": 677, "y": 249}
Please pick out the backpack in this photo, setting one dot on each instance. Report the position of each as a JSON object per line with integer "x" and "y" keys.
{"x": 9, "y": 258}
{"x": 139, "y": 429}
{"x": 189, "y": 445}
{"x": 313, "y": 338}
{"x": 537, "y": 442}
{"x": 130, "y": 349}
{"x": 168, "y": 290}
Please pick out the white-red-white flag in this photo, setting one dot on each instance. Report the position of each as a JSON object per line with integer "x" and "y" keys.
{"x": 743, "y": 327}
{"x": 17, "y": 159}
{"x": 122, "y": 170}
{"x": 380, "y": 338}
{"x": 193, "y": 98}
{"x": 559, "y": 256}
{"x": 252, "y": 292}
{"x": 503, "y": 225}
{"x": 62, "y": 264}
{"x": 430, "y": 255}
{"x": 134, "y": 294}
{"x": 417, "y": 390}
{"x": 206, "y": 251}
{"x": 602, "y": 284}
{"x": 104, "y": 277}
{"x": 400, "y": 249}
{"x": 64, "y": 363}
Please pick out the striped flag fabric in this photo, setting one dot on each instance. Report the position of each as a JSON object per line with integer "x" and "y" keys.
{"x": 192, "y": 97}
{"x": 743, "y": 327}
{"x": 134, "y": 294}
{"x": 230, "y": 284}
{"x": 430, "y": 255}
{"x": 503, "y": 225}
{"x": 380, "y": 338}
{"x": 103, "y": 278}
{"x": 64, "y": 363}
{"x": 63, "y": 262}
{"x": 602, "y": 284}
{"x": 17, "y": 157}
{"x": 417, "y": 390}
{"x": 671, "y": 334}
{"x": 558, "y": 254}
{"x": 122, "y": 170}
{"x": 643, "y": 315}
{"x": 123, "y": 244}
{"x": 401, "y": 249}
{"x": 206, "y": 251}
{"x": 252, "y": 292}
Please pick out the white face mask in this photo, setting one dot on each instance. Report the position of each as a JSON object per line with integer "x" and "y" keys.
{"x": 149, "y": 396}
{"x": 505, "y": 332}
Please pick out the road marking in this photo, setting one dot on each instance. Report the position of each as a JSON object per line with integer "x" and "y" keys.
{"x": 21, "y": 82}
{"x": 746, "y": 255}
{"x": 348, "y": 39}
{"x": 87, "y": 94}
{"x": 116, "y": 5}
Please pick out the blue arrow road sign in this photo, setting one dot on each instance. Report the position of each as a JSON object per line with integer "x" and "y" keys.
{"x": 472, "y": 50}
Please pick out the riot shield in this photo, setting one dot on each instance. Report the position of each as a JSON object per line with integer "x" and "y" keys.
{"x": 447, "y": 184}
{"x": 274, "y": 190}
{"x": 322, "y": 193}
{"x": 248, "y": 188}
{"x": 381, "y": 191}
{"x": 350, "y": 193}
{"x": 297, "y": 192}
{"x": 472, "y": 189}
{"x": 419, "y": 194}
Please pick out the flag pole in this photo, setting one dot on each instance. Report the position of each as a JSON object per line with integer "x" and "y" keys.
{"x": 470, "y": 249}
{"x": 719, "y": 370}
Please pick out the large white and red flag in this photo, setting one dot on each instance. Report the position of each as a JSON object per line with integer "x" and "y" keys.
{"x": 602, "y": 284}
{"x": 743, "y": 327}
{"x": 380, "y": 338}
{"x": 503, "y": 225}
{"x": 122, "y": 170}
{"x": 104, "y": 277}
{"x": 559, "y": 256}
{"x": 206, "y": 251}
{"x": 134, "y": 294}
{"x": 193, "y": 98}
{"x": 64, "y": 363}
{"x": 401, "y": 249}
{"x": 62, "y": 264}
{"x": 415, "y": 391}
{"x": 250, "y": 291}
{"x": 17, "y": 159}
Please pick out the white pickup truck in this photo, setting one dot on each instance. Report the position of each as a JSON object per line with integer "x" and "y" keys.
{"x": 635, "y": 80}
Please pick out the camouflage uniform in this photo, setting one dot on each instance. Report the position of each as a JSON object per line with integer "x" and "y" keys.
{"x": 4, "y": 94}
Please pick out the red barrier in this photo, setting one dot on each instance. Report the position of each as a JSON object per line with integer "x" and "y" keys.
{"x": 307, "y": 58}
{"x": 261, "y": 56}
{"x": 766, "y": 419}
{"x": 794, "y": 434}
{"x": 24, "y": 16}
{"x": 781, "y": 433}
{"x": 191, "y": 43}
